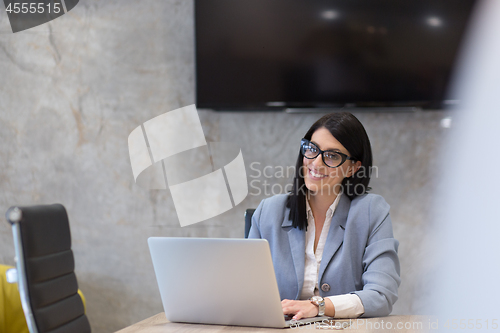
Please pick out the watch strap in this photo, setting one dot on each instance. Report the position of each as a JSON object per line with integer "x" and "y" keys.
{"x": 320, "y": 303}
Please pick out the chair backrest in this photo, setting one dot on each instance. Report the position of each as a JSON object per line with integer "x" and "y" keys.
{"x": 248, "y": 220}
{"x": 45, "y": 270}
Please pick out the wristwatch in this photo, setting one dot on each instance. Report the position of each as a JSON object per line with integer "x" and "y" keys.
{"x": 320, "y": 303}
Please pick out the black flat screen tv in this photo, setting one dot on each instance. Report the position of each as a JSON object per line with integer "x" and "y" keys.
{"x": 275, "y": 54}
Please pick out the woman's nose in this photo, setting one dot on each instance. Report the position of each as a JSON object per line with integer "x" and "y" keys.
{"x": 318, "y": 161}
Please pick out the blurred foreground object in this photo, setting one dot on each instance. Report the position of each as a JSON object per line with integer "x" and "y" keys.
{"x": 467, "y": 240}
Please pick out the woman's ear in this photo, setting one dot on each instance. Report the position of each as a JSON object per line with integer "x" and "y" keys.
{"x": 354, "y": 168}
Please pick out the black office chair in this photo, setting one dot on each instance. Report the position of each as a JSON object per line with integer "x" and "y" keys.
{"x": 248, "y": 220}
{"x": 45, "y": 270}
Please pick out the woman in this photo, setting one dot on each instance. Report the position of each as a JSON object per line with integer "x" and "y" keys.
{"x": 332, "y": 244}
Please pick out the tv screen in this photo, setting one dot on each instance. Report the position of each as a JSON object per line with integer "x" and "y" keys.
{"x": 265, "y": 54}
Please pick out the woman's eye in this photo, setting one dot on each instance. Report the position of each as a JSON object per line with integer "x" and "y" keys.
{"x": 332, "y": 156}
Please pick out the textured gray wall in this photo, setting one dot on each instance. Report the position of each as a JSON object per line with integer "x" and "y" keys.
{"x": 72, "y": 90}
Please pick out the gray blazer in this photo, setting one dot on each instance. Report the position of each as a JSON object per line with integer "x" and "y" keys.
{"x": 360, "y": 254}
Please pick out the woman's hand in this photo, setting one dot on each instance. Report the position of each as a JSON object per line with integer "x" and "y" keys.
{"x": 299, "y": 309}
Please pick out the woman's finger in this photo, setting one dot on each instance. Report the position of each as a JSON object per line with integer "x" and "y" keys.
{"x": 298, "y": 315}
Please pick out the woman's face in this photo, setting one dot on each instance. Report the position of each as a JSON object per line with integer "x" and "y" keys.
{"x": 319, "y": 178}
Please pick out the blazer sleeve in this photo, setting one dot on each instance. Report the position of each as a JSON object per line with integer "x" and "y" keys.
{"x": 381, "y": 270}
{"x": 255, "y": 227}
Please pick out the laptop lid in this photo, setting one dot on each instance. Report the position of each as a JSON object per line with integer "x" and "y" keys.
{"x": 217, "y": 281}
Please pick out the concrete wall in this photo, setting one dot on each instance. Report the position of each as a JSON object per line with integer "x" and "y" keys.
{"x": 72, "y": 90}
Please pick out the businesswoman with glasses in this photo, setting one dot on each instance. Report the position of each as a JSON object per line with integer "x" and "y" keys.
{"x": 332, "y": 243}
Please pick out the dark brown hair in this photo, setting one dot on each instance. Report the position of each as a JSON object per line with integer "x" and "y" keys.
{"x": 349, "y": 131}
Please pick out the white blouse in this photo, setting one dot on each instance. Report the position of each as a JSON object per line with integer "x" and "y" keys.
{"x": 346, "y": 306}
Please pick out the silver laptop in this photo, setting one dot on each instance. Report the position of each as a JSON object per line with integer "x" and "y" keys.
{"x": 219, "y": 281}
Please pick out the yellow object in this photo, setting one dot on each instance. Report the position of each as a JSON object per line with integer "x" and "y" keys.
{"x": 11, "y": 312}
{"x": 83, "y": 300}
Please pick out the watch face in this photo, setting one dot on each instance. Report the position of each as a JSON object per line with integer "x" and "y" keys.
{"x": 320, "y": 302}
{"x": 317, "y": 299}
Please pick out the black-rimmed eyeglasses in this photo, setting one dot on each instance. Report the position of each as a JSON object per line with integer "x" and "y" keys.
{"x": 332, "y": 159}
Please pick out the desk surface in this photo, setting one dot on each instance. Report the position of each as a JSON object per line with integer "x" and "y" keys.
{"x": 398, "y": 324}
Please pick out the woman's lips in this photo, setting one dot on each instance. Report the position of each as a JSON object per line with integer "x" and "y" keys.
{"x": 316, "y": 175}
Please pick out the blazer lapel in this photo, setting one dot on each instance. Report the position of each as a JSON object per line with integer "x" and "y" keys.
{"x": 335, "y": 234}
{"x": 297, "y": 240}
